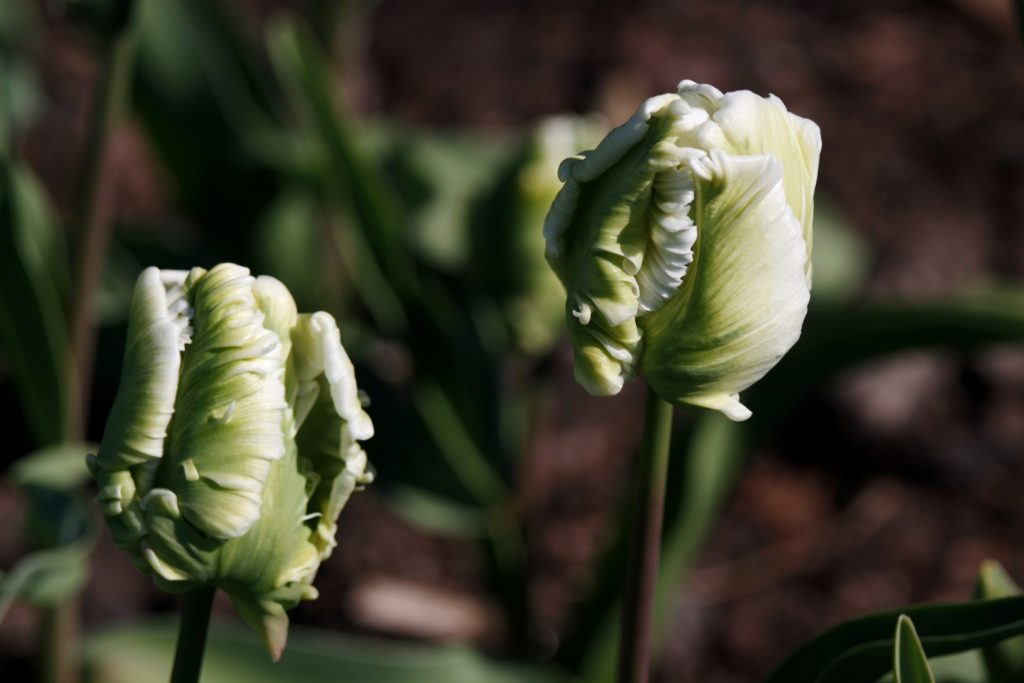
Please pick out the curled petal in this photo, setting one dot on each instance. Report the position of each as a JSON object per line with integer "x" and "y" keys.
{"x": 762, "y": 125}
{"x": 333, "y": 423}
{"x": 158, "y": 330}
{"x": 742, "y": 306}
{"x": 318, "y": 350}
{"x": 231, "y": 407}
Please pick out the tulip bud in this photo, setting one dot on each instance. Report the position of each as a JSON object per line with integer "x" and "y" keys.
{"x": 233, "y": 442}
{"x": 510, "y": 250}
{"x": 683, "y": 241}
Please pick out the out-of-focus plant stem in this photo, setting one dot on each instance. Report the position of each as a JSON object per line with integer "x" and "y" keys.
{"x": 195, "y": 622}
{"x": 94, "y": 229}
{"x": 645, "y": 547}
{"x": 58, "y": 639}
{"x": 60, "y": 624}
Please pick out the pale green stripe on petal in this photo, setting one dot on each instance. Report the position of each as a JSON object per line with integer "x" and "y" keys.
{"x": 230, "y": 409}
{"x": 158, "y": 330}
{"x": 762, "y": 125}
{"x": 603, "y": 235}
{"x": 136, "y": 430}
{"x": 318, "y": 350}
{"x": 745, "y": 298}
{"x": 336, "y": 466}
{"x": 333, "y": 422}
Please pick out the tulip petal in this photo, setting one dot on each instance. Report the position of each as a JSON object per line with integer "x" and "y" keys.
{"x": 231, "y": 407}
{"x": 762, "y": 125}
{"x": 619, "y": 237}
{"x": 743, "y": 303}
{"x": 158, "y": 330}
{"x": 333, "y": 424}
{"x": 179, "y": 555}
{"x": 133, "y": 440}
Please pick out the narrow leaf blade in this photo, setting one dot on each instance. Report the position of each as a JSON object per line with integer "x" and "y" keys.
{"x": 910, "y": 664}
{"x": 861, "y": 649}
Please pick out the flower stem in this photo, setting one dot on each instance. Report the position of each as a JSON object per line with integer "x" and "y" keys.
{"x": 59, "y": 632}
{"x": 59, "y": 640}
{"x": 195, "y": 621}
{"x": 645, "y": 547}
{"x": 93, "y": 227}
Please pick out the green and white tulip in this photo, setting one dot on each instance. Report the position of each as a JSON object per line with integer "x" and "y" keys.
{"x": 233, "y": 442}
{"x": 683, "y": 241}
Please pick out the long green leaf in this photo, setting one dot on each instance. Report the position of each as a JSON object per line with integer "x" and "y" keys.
{"x": 350, "y": 180}
{"x": 1004, "y": 661}
{"x": 47, "y": 577}
{"x": 910, "y": 664}
{"x": 837, "y": 337}
{"x": 861, "y": 650}
{"x": 58, "y": 523}
{"x": 142, "y": 653}
{"x": 33, "y": 334}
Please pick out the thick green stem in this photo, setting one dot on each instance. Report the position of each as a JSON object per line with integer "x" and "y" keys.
{"x": 195, "y": 622}
{"x": 645, "y": 547}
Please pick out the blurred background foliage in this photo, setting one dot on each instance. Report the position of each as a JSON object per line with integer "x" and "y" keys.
{"x": 329, "y": 143}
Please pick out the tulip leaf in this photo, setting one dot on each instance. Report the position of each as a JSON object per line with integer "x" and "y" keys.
{"x": 142, "y": 653}
{"x": 910, "y": 664}
{"x": 287, "y": 237}
{"x": 1004, "y": 662}
{"x": 58, "y": 523}
{"x": 350, "y": 181}
{"x": 57, "y": 468}
{"x": 200, "y": 91}
{"x": 836, "y": 337}
{"x": 19, "y": 88}
{"x": 46, "y": 577}
{"x": 440, "y": 175}
{"x": 434, "y": 513}
{"x": 33, "y": 335}
{"x": 861, "y": 649}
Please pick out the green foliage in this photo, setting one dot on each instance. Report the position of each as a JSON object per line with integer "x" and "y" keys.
{"x": 861, "y": 649}
{"x": 19, "y": 87}
{"x": 347, "y": 179}
{"x": 141, "y": 653}
{"x": 1004, "y": 662}
{"x": 59, "y": 525}
{"x": 910, "y": 664}
{"x": 33, "y": 275}
{"x": 837, "y": 337}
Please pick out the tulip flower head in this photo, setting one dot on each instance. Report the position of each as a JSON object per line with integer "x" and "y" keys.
{"x": 233, "y": 442}
{"x": 683, "y": 241}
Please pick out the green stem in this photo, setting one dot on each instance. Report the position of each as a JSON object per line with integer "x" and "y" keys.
{"x": 195, "y": 621}
{"x": 59, "y": 631}
{"x": 59, "y": 627}
{"x": 642, "y": 575}
{"x": 94, "y": 227}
